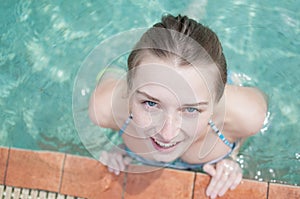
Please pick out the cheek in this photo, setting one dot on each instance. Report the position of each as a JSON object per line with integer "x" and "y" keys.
{"x": 202, "y": 126}
{"x": 141, "y": 117}
{"x": 196, "y": 128}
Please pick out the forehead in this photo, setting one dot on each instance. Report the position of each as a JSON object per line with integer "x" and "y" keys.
{"x": 162, "y": 78}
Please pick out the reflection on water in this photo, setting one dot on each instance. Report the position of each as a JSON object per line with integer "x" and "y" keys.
{"x": 44, "y": 43}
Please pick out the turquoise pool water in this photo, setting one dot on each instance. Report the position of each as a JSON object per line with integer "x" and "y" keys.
{"x": 43, "y": 45}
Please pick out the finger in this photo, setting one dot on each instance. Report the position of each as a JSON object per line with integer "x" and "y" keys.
{"x": 219, "y": 185}
{"x": 113, "y": 163}
{"x": 120, "y": 162}
{"x": 127, "y": 160}
{"x": 103, "y": 158}
{"x": 110, "y": 170}
{"x": 234, "y": 178}
{"x": 231, "y": 178}
{"x": 228, "y": 176}
{"x": 210, "y": 169}
{"x": 218, "y": 181}
{"x": 117, "y": 172}
{"x": 237, "y": 181}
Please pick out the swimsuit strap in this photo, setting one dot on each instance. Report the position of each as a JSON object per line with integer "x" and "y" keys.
{"x": 121, "y": 131}
{"x": 221, "y": 136}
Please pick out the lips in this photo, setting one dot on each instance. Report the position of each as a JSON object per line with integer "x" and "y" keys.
{"x": 163, "y": 146}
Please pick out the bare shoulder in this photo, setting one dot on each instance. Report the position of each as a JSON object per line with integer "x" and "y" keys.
{"x": 247, "y": 108}
{"x": 107, "y": 93}
{"x": 99, "y": 106}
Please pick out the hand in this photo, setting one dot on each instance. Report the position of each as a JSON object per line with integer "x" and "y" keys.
{"x": 116, "y": 160}
{"x": 226, "y": 174}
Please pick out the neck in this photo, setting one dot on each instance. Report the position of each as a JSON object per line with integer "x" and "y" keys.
{"x": 219, "y": 111}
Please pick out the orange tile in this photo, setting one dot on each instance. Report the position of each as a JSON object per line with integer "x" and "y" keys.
{"x": 162, "y": 183}
{"x": 200, "y": 185}
{"x": 247, "y": 189}
{"x": 35, "y": 170}
{"x": 3, "y": 163}
{"x": 283, "y": 191}
{"x": 85, "y": 177}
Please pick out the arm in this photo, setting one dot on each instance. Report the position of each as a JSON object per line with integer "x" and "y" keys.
{"x": 247, "y": 109}
{"x": 109, "y": 93}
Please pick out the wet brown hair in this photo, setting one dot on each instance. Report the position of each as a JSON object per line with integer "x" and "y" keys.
{"x": 185, "y": 41}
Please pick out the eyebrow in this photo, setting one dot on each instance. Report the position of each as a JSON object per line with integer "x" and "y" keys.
{"x": 157, "y": 100}
{"x": 147, "y": 95}
{"x": 197, "y": 104}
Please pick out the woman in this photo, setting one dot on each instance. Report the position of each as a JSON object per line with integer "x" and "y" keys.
{"x": 175, "y": 108}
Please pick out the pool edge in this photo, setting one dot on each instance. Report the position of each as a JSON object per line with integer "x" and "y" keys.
{"x": 88, "y": 178}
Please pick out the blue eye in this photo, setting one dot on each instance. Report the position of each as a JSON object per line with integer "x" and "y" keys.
{"x": 150, "y": 103}
{"x": 191, "y": 110}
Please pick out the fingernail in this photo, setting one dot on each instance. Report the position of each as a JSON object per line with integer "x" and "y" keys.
{"x": 207, "y": 193}
{"x": 213, "y": 195}
{"x": 221, "y": 194}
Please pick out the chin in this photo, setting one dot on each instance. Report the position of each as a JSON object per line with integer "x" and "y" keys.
{"x": 157, "y": 156}
{"x": 167, "y": 158}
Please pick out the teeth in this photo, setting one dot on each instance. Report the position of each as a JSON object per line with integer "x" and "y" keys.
{"x": 165, "y": 145}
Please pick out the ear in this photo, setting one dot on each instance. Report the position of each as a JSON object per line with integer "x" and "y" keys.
{"x": 130, "y": 114}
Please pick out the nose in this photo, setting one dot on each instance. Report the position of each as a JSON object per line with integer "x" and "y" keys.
{"x": 171, "y": 127}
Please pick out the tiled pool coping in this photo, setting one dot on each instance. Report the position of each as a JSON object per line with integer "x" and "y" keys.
{"x": 85, "y": 177}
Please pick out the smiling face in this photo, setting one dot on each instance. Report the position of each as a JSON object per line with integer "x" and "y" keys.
{"x": 171, "y": 106}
